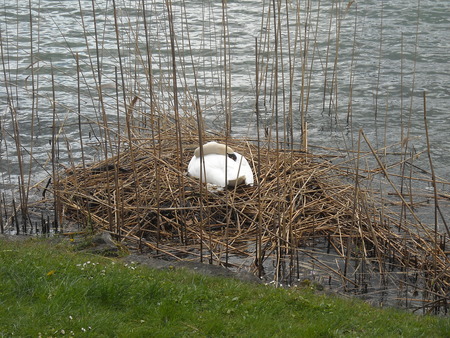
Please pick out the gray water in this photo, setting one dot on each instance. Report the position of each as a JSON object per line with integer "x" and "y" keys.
{"x": 367, "y": 68}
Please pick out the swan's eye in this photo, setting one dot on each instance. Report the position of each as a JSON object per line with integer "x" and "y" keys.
{"x": 232, "y": 156}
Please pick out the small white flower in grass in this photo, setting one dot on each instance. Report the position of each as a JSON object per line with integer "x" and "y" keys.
{"x": 70, "y": 317}
{"x": 83, "y": 329}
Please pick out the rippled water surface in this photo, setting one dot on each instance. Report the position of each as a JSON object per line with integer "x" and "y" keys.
{"x": 366, "y": 65}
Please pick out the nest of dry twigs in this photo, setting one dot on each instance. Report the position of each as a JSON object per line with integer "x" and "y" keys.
{"x": 144, "y": 195}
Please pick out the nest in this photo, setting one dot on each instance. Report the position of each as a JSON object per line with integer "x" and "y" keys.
{"x": 144, "y": 196}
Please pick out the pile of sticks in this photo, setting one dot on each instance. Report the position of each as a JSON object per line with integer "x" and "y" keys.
{"x": 143, "y": 195}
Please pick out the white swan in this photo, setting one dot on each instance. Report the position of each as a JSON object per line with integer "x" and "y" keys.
{"x": 219, "y": 163}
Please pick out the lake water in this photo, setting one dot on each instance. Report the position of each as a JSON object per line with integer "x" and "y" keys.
{"x": 344, "y": 65}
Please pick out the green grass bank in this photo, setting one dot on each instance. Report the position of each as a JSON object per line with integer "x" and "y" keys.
{"x": 49, "y": 289}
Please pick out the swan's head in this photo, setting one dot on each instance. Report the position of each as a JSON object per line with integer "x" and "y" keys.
{"x": 214, "y": 148}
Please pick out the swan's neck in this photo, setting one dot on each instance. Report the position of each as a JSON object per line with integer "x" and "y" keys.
{"x": 215, "y": 148}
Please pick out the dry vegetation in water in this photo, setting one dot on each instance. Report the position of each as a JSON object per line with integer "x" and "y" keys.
{"x": 144, "y": 197}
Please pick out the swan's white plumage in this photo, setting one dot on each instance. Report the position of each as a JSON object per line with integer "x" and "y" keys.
{"x": 219, "y": 162}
